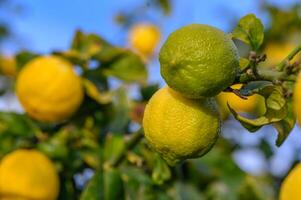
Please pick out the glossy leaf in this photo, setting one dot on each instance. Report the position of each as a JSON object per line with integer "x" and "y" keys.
{"x": 95, "y": 188}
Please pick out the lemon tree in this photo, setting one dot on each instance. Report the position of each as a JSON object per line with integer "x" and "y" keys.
{"x": 83, "y": 136}
{"x": 28, "y": 174}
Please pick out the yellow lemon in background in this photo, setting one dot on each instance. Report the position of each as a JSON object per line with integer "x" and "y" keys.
{"x": 199, "y": 61}
{"x": 48, "y": 89}
{"x": 180, "y": 128}
{"x": 8, "y": 66}
{"x": 276, "y": 52}
{"x": 297, "y": 99}
{"x": 144, "y": 38}
{"x": 254, "y": 104}
{"x": 290, "y": 188}
{"x": 28, "y": 175}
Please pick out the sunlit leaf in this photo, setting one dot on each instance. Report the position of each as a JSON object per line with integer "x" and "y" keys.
{"x": 250, "y": 30}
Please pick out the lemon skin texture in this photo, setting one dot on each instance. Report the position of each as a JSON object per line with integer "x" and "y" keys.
{"x": 180, "y": 128}
{"x": 28, "y": 175}
{"x": 254, "y": 104}
{"x": 48, "y": 89}
{"x": 290, "y": 188}
{"x": 199, "y": 61}
{"x": 297, "y": 99}
{"x": 144, "y": 38}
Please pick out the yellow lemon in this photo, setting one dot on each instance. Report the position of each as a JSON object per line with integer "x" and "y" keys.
{"x": 290, "y": 188}
{"x": 254, "y": 104}
{"x": 199, "y": 61}
{"x": 276, "y": 52}
{"x": 8, "y": 66}
{"x": 180, "y": 128}
{"x": 297, "y": 99}
{"x": 144, "y": 38}
{"x": 49, "y": 89}
{"x": 28, "y": 175}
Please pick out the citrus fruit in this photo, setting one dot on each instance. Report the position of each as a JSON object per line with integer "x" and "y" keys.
{"x": 49, "y": 89}
{"x": 180, "y": 128}
{"x": 276, "y": 52}
{"x": 199, "y": 61}
{"x": 297, "y": 99}
{"x": 8, "y": 66}
{"x": 254, "y": 104}
{"x": 290, "y": 188}
{"x": 26, "y": 175}
{"x": 144, "y": 38}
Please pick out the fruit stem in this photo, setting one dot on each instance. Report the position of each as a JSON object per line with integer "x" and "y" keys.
{"x": 290, "y": 56}
{"x": 130, "y": 144}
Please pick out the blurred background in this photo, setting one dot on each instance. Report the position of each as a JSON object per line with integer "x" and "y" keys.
{"x": 46, "y": 26}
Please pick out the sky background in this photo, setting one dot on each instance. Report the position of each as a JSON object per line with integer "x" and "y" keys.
{"x": 44, "y": 26}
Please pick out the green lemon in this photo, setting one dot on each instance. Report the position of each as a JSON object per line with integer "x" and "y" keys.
{"x": 199, "y": 61}
{"x": 180, "y": 128}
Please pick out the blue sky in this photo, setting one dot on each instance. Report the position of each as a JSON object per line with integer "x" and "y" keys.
{"x": 49, "y": 25}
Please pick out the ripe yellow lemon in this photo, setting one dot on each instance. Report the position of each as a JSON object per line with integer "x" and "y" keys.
{"x": 26, "y": 175}
{"x": 290, "y": 188}
{"x": 276, "y": 52}
{"x": 297, "y": 99}
{"x": 254, "y": 104}
{"x": 49, "y": 89}
{"x": 8, "y": 66}
{"x": 144, "y": 38}
{"x": 199, "y": 61}
{"x": 180, "y": 128}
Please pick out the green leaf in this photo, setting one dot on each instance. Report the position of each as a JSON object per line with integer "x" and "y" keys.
{"x": 249, "y": 30}
{"x": 128, "y": 68}
{"x": 285, "y": 126}
{"x": 113, "y": 185}
{"x": 148, "y": 91}
{"x": 17, "y": 125}
{"x": 276, "y": 107}
{"x": 23, "y": 57}
{"x": 114, "y": 145}
{"x": 121, "y": 109}
{"x": 88, "y": 43}
{"x": 93, "y": 92}
{"x": 165, "y": 5}
{"x": 161, "y": 171}
{"x": 95, "y": 188}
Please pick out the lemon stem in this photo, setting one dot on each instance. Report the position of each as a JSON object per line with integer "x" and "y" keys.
{"x": 290, "y": 56}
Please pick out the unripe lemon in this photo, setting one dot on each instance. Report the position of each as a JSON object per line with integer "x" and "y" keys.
{"x": 26, "y": 175}
{"x": 144, "y": 38}
{"x": 49, "y": 89}
{"x": 297, "y": 99}
{"x": 180, "y": 128}
{"x": 290, "y": 188}
{"x": 254, "y": 104}
{"x": 8, "y": 66}
{"x": 199, "y": 61}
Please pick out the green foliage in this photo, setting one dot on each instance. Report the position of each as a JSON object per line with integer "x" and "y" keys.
{"x": 249, "y": 30}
